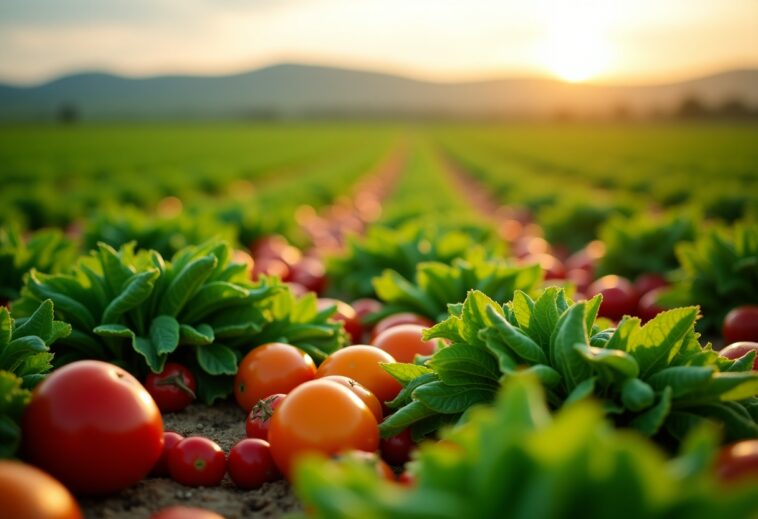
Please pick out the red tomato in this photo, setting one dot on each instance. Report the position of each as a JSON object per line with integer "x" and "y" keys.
{"x": 581, "y": 279}
{"x": 197, "y": 462}
{"x": 648, "y": 306}
{"x": 269, "y": 369}
{"x": 320, "y": 416}
{"x": 346, "y": 314}
{"x": 170, "y": 439}
{"x": 94, "y": 427}
{"x": 270, "y": 267}
{"x": 648, "y": 282}
{"x": 362, "y": 363}
{"x": 619, "y": 296}
{"x": 251, "y": 465}
{"x": 173, "y": 389}
{"x": 406, "y": 479}
{"x": 259, "y": 419}
{"x": 185, "y": 512}
{"x": 552, "y": 266}
{"x": 396, "y": 450}
{"x": 404, "y": 342}
{"x": 361, "y": 392}
{"x": 401, "y": 318}
{"x": 738, "y": 350}
{"x": 311, "y": 273}
{"x": 738, "y": 461}
{"x": 365, "y": 307}
{"x": 28, "y": 493}
{"x": 741, "y": 324}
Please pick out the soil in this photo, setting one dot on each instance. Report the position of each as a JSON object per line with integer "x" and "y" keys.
{"x": 225, "y": 424}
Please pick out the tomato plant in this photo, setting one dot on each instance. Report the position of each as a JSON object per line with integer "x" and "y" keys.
{"x": 400, "y": 318}
{"x": 185, "y": 512}
{"x": 170, "y": 439}
{"x": 404, "y": 342}
{"x": 361, "y": 392}
{"x": 26, "y": 492}
{"x": 741, "y": 324}
{"x": 259, "y": 419}
{"x": 396, "y": 450}
{"x": 268, "y": 369}
{"x": 619, "y": 296}
{"x": 251, "y": 465}
{"x": 738, "y": 461}
{"x": 362, "y": 364}
{"x": 94, "y": 427}
{"x": 320, "y": 416}
{"x": 197, "y": 462}
{"x": 173, "y": 389}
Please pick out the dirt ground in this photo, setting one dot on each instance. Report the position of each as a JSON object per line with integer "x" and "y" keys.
{"x": 223, "y": 423}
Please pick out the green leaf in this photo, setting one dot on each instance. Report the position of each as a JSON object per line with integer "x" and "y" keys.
{"x": 216, "y": 359}
{"x": 461, "y": 364}
{"x": 196, "y": 336}
{"x": 443, "y": 398}
{"x": 135, "y": 291}
{"x": 74, "y": 311}
{"x": 40, "y": 323}
{"x": 404, "y": 397}
{"x": 636, "y": 395}
{"x": 213, "y": 387}
{"x": 113, "y": 330}
{"x": 6, "y": 325}
{"x": 404, "y": 418}
{"x": 581, "y": 391}
{"x": 164, "y": 334}
{"x": 149, "y": 351}
{"x": 185, "y": 285}
{"x": 649, "y": 422}
{"x": 681, "y": 379}
{"x": 404, "y": 373}
{"x": 658, "y": 342}
{"x": 570, "y": 331}
{"x": 518, "y": 342}
{"x": 475, "y": 316}
{"x": 213, "y": 297}
{"x": 619, "y": 362}
{"x": 115, "y": 271}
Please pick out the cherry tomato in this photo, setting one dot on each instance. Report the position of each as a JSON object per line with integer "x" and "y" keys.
{"x": 169, "y": 440}
{"x": 551, "y": 265}
{"x": 648, "y": 282}
{"x": 361, "y": 392}
{"x": 581, "y": 279}
{"x": 401, "y": 318}
{"x": 371, "y": 460}
{"x": 311, "y": 273}
{"x": 396, "y": 450}
{"x": 320, "y": 416}
{"x": 270, "y": 267}
{"x": 197, "y": 462}
{"x": 346, "y": 314}
{"x": 29, "y": 493}
{"x": 259, "y": 419}
{"x": 619, "y": 296}
{"x": 738, "y": 461}
{"x": 185, "y": 512}
{"x": 365, "y": 307}
{"x": 741, "y": 324}
{"x": 94, "y": 427}
{"x": 738, "y": 350}
{"x": 251, "y": 465}
{"x": 406, "y": 479}
{"x": 648, "y": 306}
{"x": 362, "y": 363}
{"x": 173, "y": 389}
{"x": 268, "y": 369}
{"x": 404, "y": 342}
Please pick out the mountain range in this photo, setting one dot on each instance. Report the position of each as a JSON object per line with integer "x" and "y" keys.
{"x": 293, "y": 90}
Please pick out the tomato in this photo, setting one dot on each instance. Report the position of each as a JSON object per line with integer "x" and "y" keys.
{"x": 268, "y": 369}
{"x": 401, "y": 318}
{"x": 365, "y": 307}
{"x": 406, "y": 479}
{"x": 581, "y": 279}
{"x": 185, "y": 512}
{"x": 738, "y": 461}
{"x": 529, "y": 246}
{"x": 741, "y": 324}
{"x": 169, "y": 440}
{"x": 29, "y": 493}
{"x": 371, "y": 460}
{"x": 311, "y": 273}
{"x": 258, "y": 421}
{"x": 648, "y": 282}
{"x": 404, "y": 342}
{"x": 173, "y": 389}
{"x": 361, "y": 392}
{"x": 320, "y": 416}
{"x": 94, "y": 427}
{"x": 551, "y": 265}
{"x": 648, "y": 306}
{"x": 738, "y": 350}
{"x": 619, "y": 296}
{"x": 396, "y": 450}
{"x": 362, "y": 363}
{"x": 197, "y": 462}
{"x": 251, "y": 465}
{"x": 270, "y": 267}
{"x": 346, "y": 314}
{"x": 276, "y": 246}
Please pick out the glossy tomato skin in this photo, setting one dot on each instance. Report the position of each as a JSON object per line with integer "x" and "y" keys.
{"x": 250, "y": 464}
{"x": 345, "y": 314}
{"x": 404, "y": 342}
{"x": 619, "y": 296}
{"x": 741, "y": 324}
{"x": 185, "y": 512}
{"x": 320, "y": 416}
{"x": 173, "y": 389}
{"x": 26, "y": 492}
{"x": 269, "y": 369}
{"x": 648, "y": 306}
{"x": 737, "y": 350}
{"x": 170, "y": 439}
{"x": 93, "y": 426}
{"x": 362, "y": 364}
{"x": 396, "y": 450}
{"x": 197, "y": 462}
{"x": 311, "y": 273}
{"x": 259, "y": 419}
{"x": 400, "y": 318}
{"x": 738, "y": 461}
{"x": 365, "y": 307}
{"x": 648, "y": 282}
{"x": 361, "y": 392}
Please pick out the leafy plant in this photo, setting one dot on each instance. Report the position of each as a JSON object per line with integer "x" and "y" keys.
{"x": 642, "y": 244}
{"x": 655, "y": 378}
{"x": 514, "y": 460}
{"x": 24, "y": 360}
{"x": 135, "y": 309}
{"x": 438, "y": 284}
{"x": 720, "y": 272}
{"x": 577, "y": 222}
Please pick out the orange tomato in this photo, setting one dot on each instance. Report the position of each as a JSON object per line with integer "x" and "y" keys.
{"x": 268, "y": 369}
{"x": 404, "y": 342}
{"x": 361, "y": 392}
{"x": 361, "y": 363}
{"x": 320, "y": 416}
{"x": 26, "y": 491}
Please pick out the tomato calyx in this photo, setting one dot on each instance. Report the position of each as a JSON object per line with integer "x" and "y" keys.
{"x": 264, "y": 408}
{"x": 176, "y": 380}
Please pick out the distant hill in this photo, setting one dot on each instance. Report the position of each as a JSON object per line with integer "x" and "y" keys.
{"x": 291, "y": 90}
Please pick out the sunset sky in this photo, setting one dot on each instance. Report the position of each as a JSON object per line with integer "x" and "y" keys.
{"x": 607, "y": 41}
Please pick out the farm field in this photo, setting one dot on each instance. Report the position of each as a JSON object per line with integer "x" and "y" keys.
{"x": 567, "y": 295}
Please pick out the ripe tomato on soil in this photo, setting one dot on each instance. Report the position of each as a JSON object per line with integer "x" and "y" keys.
{"x": 259, "y": 419}
{"x": 29, "y": 493}
{"x": 362, "y": 363}
{"x": 741, "y": 324}
{"x": 320, "y": 416}
{"x": 398, "y": 319}
{"x": 269, "y": 369}
{"x": 185, "y": 512}
{"x": 170, "y": 439}
{"x": 94, "y": 427}
{"x": 404, "y": 342}
{"x": 197, "y": 462}
{"x": 346, "y": 314}
{"x": 396, "y": 450}
{"x": 738, "y": 461}
{"x": 361, "y": 392}
{"x": 173, "y": 389}
{"x": 619, "y": 296}
{"x": 250, "y": 464}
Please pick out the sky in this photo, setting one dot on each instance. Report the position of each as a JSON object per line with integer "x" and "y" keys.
{"x": 611, "y": 41}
